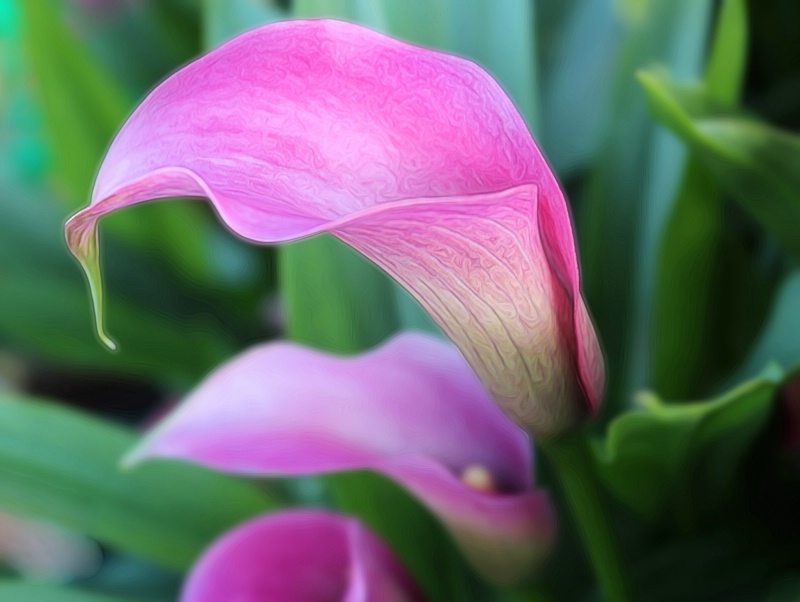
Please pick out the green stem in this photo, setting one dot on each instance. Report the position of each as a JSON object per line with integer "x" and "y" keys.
{"x": 572, "y": 465}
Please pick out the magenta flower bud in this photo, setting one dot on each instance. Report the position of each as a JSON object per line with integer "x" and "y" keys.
{"x": 416, "y": 158}
{"x": 302, "y": 555}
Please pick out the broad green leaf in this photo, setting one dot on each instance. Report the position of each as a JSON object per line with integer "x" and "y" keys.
{"x": 21, "y": 591}
{"x": 725, "y": 69}
{"x": 334, "y": 299}
{"x": 705, "y": 311}
{"x": 626, "y": 196}
{"x": 712, "y": 292}
{"x": 754, "y": 162}
{"x": 62, "y": 465}
{"x": 679, "y": 460}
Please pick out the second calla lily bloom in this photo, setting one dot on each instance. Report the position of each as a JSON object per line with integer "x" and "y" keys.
{"x": 416, "y": 158}
{"x": 299, "y": 556}
{"x": 412, "y": 409}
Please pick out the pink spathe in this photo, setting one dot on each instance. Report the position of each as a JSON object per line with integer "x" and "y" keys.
{"x": 416, "y": 158}
{"x": 299, "y": 556}
{"x": 412, "y": 410}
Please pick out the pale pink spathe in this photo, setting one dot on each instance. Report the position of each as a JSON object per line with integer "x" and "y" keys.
{"x": 299, "y": 556}
{"x": 412, "y": 409}
{"x": 308, "y": 126}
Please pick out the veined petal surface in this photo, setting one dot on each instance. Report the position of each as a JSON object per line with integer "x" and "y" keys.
{"x": 308, "y": 126}
{"x": 411, "y": 409}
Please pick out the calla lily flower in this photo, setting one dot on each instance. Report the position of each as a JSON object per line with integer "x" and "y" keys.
{"x": 299, "y": 556}
{"x": 416, "y": 158}
{"x": 412, "y": 410}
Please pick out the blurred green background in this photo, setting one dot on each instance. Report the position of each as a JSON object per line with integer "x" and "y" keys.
{"x": 671, "y": 125}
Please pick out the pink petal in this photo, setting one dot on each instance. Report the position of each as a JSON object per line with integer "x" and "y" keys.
{"x": 299, "y": 556}
{"x": 308, "y": 126}
{"x": 412, "y": 410}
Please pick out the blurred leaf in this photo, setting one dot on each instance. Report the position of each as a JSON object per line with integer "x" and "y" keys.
{"x": 725, "y": 69}
{"x": 681, "y": 459}
{"x": 785, "y": 589}
{"x": 579, "y": 57}
{"x": 726, "y": 565}
{"x": 757, "y": 164}
{"x": 334, "y": 298}
{"x": 223, "y": 19}
{"x": 779, "y": 341}
{"x": 20, "y": 591}
{"x": 83, "y": 107}
{"x": 706, "y": 275}
{"x": 501, "y": 38}
{"x": 45, "y": 310}
{"x": 137, "y": 41}
{"x": 626, "y": 197}
{"x": 61, "y": 465}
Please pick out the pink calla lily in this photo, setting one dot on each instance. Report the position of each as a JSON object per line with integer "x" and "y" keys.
{"x": 411, "y": 409}
{"x": 416, "y": 158}
{"x": 299, "y": 556}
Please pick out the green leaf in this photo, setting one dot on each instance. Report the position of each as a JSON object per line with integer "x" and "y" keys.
{"x": 62, "y": 465}
{"x": 706, "y": 276}
{"x": 779, "y": 340}
{"x": 334, "y": 298}
{"x": 502, "y": 38}
{"x": 45, "y": 310}
{"x": 626, "y": 196}
{"x": 754, "y": 162}
{"x": 729, "y": 564}
{"x": 785, "y": 588}
{"x": 41, "y": 592}
{"x": 681, "y": 459}
{"x": 725, "y": 69}
{"x": 83, "y": 106}
{"x": 223, "y": 19}
{"x": 578, "y": 51}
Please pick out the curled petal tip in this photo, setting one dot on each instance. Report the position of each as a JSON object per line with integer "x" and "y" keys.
{"x": 81, "y": 235}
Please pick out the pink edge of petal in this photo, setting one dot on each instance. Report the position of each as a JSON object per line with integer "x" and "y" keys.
{"x": 298, "y": 555}
{"x": 555, "y": 227}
